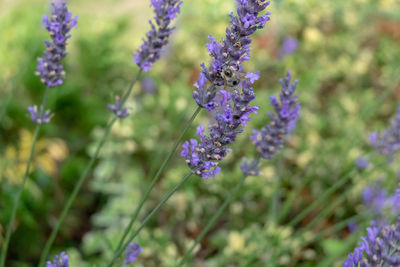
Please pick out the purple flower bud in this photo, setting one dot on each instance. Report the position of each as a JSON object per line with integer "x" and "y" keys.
{"x": 289, "y": 46}
{"x": 157, "y": 38}
{"x": 361, "y": 163}
{"x": 50, "y": 68}
{"x": 36, "y": 117}
{"x": 117, "y": 108}
{"x": 250, "y": 167}
{"x": 59, "y": 261}
{"x": 148, "y": 86}
{"x": 132, "y": 252}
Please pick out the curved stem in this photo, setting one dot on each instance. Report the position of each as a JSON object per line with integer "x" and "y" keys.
{"x": 24, "y": 179}
{"x": 148, "y": 217}
{"x": 211, "y": 222}
{"x": 155, "y": 179}
{"x": 84, "y": 175}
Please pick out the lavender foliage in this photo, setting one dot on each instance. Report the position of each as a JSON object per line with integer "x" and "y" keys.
{"x": 132, "y": 252}
{"x": 150, "y": 51}
{"x": 232, "y": 111}
{"x": 387, "y": 142}
{"x": 37, "y": 117}
{"x": 270, "y": 139}
{"x": 50, "y": 68}
{"x": 229, "y": 54}
{"x": 118, "y": 109}
{"x": 379, "y": 248}
{"x": 59, "y": 261}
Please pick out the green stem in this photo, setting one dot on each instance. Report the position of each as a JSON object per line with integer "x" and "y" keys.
{"x": 24, "y": 179}
{"x": 84, "y": 175}
{"x": 211, "y": 222}
{"x": 320, "y": 200}
{"x": 156, "y": 178}
{"x": 152, "y": 213}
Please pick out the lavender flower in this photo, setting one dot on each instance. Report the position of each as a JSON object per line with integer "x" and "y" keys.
{"x": 361, "y": 163}
{"x": 270, "y": 139}
{"x": 132, "y": 252}
{"x": 289, "y": 46}
{"x": 379, "y": 248}
{"x": 250, "y": 167}
{"x": 388, "y": 142}
{"x": 117, "y": 108}
{"x": 149, "y": 52}
{"x": 148, "y": 86}
{"x": 232, "y": 111}
{"x": 228, "y": 55}
{"x": 375, "y": 198}
{"x": 58, "y": 25}
{"x": 36, "y": 117}
{"x": 61, "y": 261}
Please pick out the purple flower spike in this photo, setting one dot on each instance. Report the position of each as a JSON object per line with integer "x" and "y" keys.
{"x": 50, "y": 68}
{"x": 149, "y": 52}
{"x": 375, "y": 198}
{"x": 35, "y": 115}
{"x": 387, "y": 142}
{"x": 378, "y": 248}
{"x": 117, "y": 108}
{"x": 59, "y": 261}
{"x": 289, "y": 46}
{"x": 229, "y": 54}
{"x": 270, "y": 139}
{"x": 132, "y": 252}
{"x": 232, "y": 111}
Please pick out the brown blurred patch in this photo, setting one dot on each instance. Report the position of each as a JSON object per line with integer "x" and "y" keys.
{"x": 389, "y": 28}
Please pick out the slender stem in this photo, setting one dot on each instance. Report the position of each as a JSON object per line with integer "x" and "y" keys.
{"x": 211, "y": 222}
{"x": 24, "y": 179}
{"x": 273, "y": 211}
{"x": 148, "y": 217}
{"x": 84, "y": 175}
{"x": 156, "y": 178}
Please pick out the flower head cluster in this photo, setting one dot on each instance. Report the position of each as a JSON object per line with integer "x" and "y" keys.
{"x": 361, "y": 163}
{"x": 59, "y": 261}
{"x": 150, "y": 51}
{"x": 132, "y": 252}
{"x": 270, "y": 139}
{"x": 250, "y": 167}
{"x": 387, "y": 142}
{"x": 232, "y": 111}
{"x": 379, "y": 248}
{"x": 118, "y": 109}
{"x": 50, "y": 68}
{"x": 375, "y": 198}
{"x": 231, "y": 52}
{"x": 37, "y": 117}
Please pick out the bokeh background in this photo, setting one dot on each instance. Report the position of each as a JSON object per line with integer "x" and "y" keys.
{"x": 345, "y": 54}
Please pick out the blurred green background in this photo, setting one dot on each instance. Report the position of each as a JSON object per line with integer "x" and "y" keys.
{"x": 347, "y": 62}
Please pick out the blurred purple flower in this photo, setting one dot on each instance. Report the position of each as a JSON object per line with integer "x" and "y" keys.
{"x": 50, "y": 68}
{"x": 387, "y": 142}
{"x": 361, "y": 163}
{"x": 148, "y": 86}
{"x": 375, "y": 198}
{"x": 37, "y": 117}
{"x": 150, "y": 51}
{"x": 250, "y": 167}
{"x": 289, "y": 46}
{"x": 132, "y": 252}
{"x": 117, "y": 108}
{"x": 59, "y": 261}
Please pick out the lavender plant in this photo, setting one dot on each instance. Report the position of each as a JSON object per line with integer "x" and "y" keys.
{"x": 233, "y": 50}
{"x": 267, "y": 143}
{"x": 147, "y": 55}
{"x": 387, "y": 142}
{"x": 51, "y": 71}
{"x": 378, "y": 248}
{"x": 59, "y": 261}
